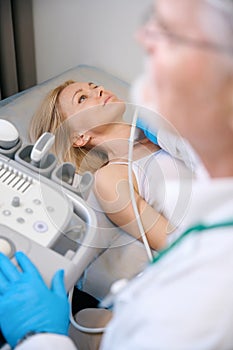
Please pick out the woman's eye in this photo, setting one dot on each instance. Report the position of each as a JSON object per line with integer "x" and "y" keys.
{"x": 82, "y": 98}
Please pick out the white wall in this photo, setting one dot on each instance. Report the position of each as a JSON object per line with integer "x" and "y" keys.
{"x": 95, "y": 32}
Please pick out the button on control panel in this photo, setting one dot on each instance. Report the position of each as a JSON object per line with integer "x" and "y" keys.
{"x": 15, "y": 201}
{"x": 7, "y": 247}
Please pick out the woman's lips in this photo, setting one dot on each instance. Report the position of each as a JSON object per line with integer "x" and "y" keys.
{"x": 107, "y": 99}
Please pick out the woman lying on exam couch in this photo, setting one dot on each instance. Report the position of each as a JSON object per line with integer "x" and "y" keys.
{"x": 91, "y": 133}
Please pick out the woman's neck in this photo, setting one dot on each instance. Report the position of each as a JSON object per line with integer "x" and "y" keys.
{"x": 115, "y": 143}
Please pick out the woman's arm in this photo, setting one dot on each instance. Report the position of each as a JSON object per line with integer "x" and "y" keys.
{"x": 112, "y": 191}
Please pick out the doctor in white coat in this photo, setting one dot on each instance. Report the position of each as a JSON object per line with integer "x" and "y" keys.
{"x": 184, "y": 299}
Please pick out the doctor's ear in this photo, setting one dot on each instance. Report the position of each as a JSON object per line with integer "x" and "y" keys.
{"x": 80, "y": 140}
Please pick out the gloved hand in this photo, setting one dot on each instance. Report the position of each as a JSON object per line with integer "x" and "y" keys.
{"x": 27, "y": 304}
{"x": 143, "y": 125}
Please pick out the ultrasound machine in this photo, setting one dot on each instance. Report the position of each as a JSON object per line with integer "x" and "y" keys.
{"x": 41, "y": 213}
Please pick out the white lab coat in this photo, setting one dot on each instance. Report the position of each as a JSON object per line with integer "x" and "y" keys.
{"x": 45, "y": 341}
{"x": 184, "y": 301}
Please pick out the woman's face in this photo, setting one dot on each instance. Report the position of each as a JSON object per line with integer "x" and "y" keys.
{"x": 88, "y": 106}
{"x": 188, "y": 80}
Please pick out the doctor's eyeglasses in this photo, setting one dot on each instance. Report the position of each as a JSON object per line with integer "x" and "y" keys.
{"x": 155, "y": 29}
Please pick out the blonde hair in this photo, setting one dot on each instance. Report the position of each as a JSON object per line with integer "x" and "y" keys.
{"x": 49, "y": 118}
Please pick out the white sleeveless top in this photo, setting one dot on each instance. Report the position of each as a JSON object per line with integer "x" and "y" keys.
{"x": 127, "y": 256}
{"x": 152, "y": 173}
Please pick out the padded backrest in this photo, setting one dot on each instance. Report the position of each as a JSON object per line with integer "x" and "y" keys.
{"x": 20, "y": 108}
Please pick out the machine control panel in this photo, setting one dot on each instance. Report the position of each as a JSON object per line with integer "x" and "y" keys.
{"x": 31, "y": 207}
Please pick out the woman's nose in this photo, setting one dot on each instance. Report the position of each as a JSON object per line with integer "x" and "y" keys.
{"x": 97, "y": 91}
{"x": 100, "y": 90}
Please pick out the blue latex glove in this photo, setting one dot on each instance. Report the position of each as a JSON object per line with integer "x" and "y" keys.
{"x": 27, "y": 304}
{"x": 141, "y": 124}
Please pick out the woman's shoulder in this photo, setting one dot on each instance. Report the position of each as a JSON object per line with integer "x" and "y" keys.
{"x": 112, "y": 170}
{"x": 108, "y": 178}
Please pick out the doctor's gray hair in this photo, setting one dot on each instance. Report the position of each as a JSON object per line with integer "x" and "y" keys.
{"x": 216, "y": 17}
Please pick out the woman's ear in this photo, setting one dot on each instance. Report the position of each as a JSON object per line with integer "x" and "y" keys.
{"x": 80, "y": 140}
